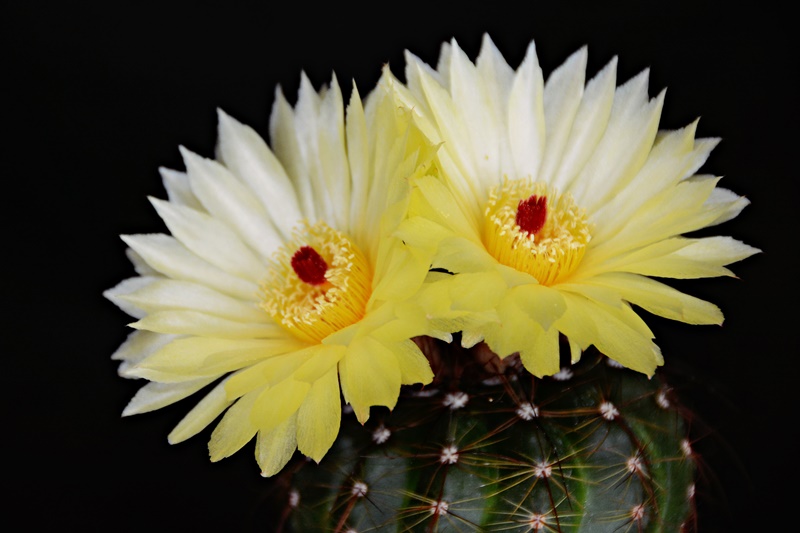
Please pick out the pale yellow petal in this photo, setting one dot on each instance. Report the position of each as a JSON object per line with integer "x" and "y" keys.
{"x": 460, "y": 165}
{"x": 675, "y": 156}
{"x": 543, "y": 304}
{"x": 319, "y": 416}
{"x": 526, "y": 117}
{"x": 512, "y": 333}
{"x": 231, "y": 202}
{"x": 274, "y": 448}
{"x": 248, "y": 157}
{"x": 205, "y": 325}
{"x": 268, "y": 372}
{"x": 211, "y": 240}
{"x": 402, "y": 274}
{"x": 660, "y": 299}
{"x": 618, "y": 333}
{"x": 462, "y": 255}
{"x": 171, "y": 258}
{"x": 141, "y": 344}
{"x": 156, "y": 395}
{"x": 370, "y": 375}
{"x": 562, "y": 97}
{"x": 680, "y": 258}
{"x": 414, "y": 367}
{"x": 235, "y": 429}
{"x": 179, "y": 191}
{"x": 541, "y": 352}
{"x": 677, "y": 210}
{"x": 118, "y": 294}
{"x": 277, "y": 403}
{"x": 398, "y": 324}
{"x": 201, "y": 415}
{"x": 320, "y": 362}
{"x": 438, "y": 204}
{"x": 358, "y": 159}
{"x": 624, "y": 147}
{"x": 203, "y": 356}
{"x": 166, "y": 294}
{"x": 588, "y": 127}
{"x": 286, "y": 146}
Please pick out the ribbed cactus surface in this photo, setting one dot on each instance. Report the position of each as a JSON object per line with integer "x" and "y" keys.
{"x": 593, "y": 449}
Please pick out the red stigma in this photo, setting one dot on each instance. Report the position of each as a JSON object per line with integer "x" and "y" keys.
{"x": 532, "y": 213}
{"x": 309, "y": 266}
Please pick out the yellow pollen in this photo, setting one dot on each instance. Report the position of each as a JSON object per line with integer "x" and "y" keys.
{"x": 557, "y": 247}
{"x": 312, "y": 311}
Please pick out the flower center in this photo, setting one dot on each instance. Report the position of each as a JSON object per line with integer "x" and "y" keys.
{"x": 534, "y": 229}
{"x": 319, "y": 283}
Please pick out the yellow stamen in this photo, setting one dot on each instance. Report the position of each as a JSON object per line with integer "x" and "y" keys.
{"x": 311, "y": 310}
{"x": 557, "y": 247}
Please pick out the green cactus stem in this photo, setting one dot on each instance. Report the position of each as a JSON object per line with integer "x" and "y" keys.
{"x": 595, "y": 448}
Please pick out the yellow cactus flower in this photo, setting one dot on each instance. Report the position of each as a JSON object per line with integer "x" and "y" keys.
{"x": 556, "y": 204}
{"x": 280, "y": 279}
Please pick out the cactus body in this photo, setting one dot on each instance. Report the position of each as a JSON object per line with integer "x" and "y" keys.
{"x": 594, "y": 449}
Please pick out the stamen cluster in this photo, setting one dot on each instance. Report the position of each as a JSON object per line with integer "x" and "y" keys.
{"x": 319, "y": 283}
{"x": 534, "y": 229}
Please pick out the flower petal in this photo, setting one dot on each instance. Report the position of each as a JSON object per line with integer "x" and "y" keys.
{"x": 178, "y": 189}
{"x": 206, "y": 356}
{"x": 319, "y": 416}
{"x": 171, "y": 258}
{"x": 660, "y": 299}
{"x": 249, "y": 158}
{"x": 274, "y": 448}
{"x": 231, "y": 202}
{"x": 370, "y": 375}
{"x": 526, "y": 117}
{"x": 205, "y": 325}
{"x": 211, "y": 240}
{"x": 235, "y": 429}
{"x": 154, "y": 294}
{"x": 588, "y": 127}
{"x": 562, "y": 97}
{"x": 277, "y": 403}
{"x": 156, "y": 395}
{"x": 205, "y": 412}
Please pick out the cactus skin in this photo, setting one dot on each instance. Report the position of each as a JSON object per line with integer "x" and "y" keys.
{"x": 605, "y": 450}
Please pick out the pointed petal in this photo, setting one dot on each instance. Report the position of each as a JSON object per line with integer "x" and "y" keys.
{"x": 541, "y": 354}
{"x": 171, "y": 258}
{"x": 205, "y": 325}
{"x": 211, "y": 240}
{"x": 526, "y": 118}
{"x": 204, "y": 356}
{"x": 274, "y": 448}
{"x": 205, "y": 412}
{"x": 370, "y": 375}
{"x": 660, "y": 299}
{"x": 157, "y": 395}
{"x": 158, "y": 294}
{"x": 588, "y": 127}
{"x": 178, "y": 189}
{"x": 232, "y": 203}
{"x": 277, "y": 403}
{"x": 319, "y": 416}
{"x": 562, "y": 97}
{"x": 234, "y": 430}
{"x": 249, "y": 158}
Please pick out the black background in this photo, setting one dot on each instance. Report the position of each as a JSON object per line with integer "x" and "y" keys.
{"x": 99, "y": 96}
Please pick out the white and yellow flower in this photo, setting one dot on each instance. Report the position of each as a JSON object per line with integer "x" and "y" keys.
{"x": 280, "y": 279}
{"x": 556, "y": 206}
